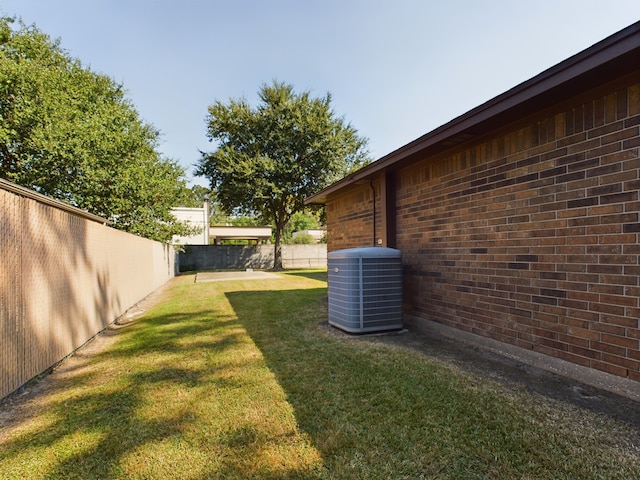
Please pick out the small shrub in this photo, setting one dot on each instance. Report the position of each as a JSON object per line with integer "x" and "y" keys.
{"x": 303, "y": 239}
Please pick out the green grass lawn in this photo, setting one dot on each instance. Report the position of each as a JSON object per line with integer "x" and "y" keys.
{"x": 243, "y": 379}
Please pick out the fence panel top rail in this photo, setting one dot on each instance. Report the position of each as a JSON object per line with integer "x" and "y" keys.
{"x": 25, "y": 192}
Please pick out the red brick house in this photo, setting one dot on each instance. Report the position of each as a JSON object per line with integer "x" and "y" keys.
{"x": 519, "y": 220}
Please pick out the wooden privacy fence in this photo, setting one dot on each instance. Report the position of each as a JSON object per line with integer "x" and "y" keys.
{"x": 64, "y": 276}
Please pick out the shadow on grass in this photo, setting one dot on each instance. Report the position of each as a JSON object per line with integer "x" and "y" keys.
{"x": 103, "y": 403}
{"x": 375, "y": 410}
{"x": 514, "y": 374}
{"x": 144, "y": 408}
{"x": 131, "y": 411}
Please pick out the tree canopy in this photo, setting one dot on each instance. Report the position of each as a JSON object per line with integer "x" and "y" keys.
{"x": 70, "y": 133}
{"x": 270, "y": 158}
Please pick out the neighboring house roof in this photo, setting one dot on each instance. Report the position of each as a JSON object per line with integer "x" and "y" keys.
{"x": 613, "y": 57}
{"x": 240, "y": 233}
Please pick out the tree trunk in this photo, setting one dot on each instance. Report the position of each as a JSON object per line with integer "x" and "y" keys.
{"x": 277, "y": 253}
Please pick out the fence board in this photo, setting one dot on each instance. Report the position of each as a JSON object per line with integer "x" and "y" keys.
{"x": 63, "y": 278}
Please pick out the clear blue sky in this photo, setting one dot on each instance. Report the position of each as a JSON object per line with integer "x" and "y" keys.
{"x": 396, "y": 69}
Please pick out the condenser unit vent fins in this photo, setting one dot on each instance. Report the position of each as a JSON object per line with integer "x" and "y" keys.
{"x": 365, "y": 289}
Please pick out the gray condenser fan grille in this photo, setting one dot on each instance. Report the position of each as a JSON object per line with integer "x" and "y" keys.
{"x": 365, "y": 289}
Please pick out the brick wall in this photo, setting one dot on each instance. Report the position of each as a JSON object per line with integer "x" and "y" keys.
{"x": 529, "y": 236}
{"x": 64, "y": 278}
{"x": 350, "y": 217}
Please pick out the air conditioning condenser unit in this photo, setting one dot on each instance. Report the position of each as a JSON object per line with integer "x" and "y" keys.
{"x": 365, "y": 289}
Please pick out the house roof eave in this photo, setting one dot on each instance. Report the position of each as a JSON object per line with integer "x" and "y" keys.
{"x": 613, "y": 57}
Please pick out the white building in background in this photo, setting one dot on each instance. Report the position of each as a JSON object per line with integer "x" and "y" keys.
{"x": 194, "y": 217}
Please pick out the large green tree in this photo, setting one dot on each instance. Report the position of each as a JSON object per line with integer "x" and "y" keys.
{"x": 270, "y": 158}
{"x": 70, "y": 133}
